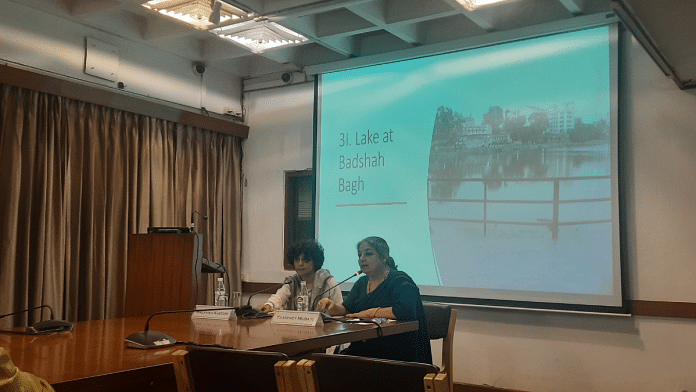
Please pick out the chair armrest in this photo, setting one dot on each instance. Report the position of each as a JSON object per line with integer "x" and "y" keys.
{"x": 436, "y": 382}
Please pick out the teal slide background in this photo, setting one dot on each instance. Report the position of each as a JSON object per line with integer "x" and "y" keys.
{"x": 398, "y": 103}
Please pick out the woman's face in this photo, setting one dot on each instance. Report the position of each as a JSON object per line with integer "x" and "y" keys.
{"x": 304, "y": 266}
{"x": 369, "y": 259}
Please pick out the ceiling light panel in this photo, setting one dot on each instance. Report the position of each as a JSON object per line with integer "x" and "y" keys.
{"x": 260, "y": 35}
{"x": 196, "y": 12}
{"x": 473, "y": 4}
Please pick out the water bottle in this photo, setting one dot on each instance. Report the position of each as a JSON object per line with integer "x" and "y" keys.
{"x": 303, "y": 297}
{"x": 220, "y": 293}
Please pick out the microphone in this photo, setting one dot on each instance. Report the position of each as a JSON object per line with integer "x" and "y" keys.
{"x": 248, "y": 311}
{"x": 44, "y": 327}
{"x": 316, "y": 299}
{"x": 147, "y": 339}
{"x": 192, "y": 215}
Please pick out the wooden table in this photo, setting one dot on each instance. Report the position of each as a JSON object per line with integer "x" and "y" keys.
{"x": 94, "y": 357}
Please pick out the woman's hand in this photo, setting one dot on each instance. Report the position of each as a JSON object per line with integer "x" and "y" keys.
{"x": 373, "y": 313}
{"x": 328, "y": 306}
{"x": 365, "y": 314}
{"x": 265, "y": 307}
{"x": 324, "y": 304}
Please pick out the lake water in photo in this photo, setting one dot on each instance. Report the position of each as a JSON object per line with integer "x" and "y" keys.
{"x": 525, "y": 218}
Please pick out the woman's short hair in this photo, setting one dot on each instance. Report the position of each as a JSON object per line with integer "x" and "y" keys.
{"x": 311, "y": 249}
{"x": 381, "y": 247}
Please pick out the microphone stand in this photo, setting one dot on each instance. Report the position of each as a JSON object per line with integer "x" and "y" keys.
{"x": 318, "y": 296}
{"x": 247, "y": 311}
{"x": 43, "y": 327}
{"x": 147, "y": 339}
{"x": 324, "y": 315}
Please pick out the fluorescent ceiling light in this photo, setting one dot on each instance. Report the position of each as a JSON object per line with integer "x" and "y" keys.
{"x": 228, "y": 22}
{"x": 259, "y": 36}
{"x": 197, "y": 13}
{"x": 473, "y": 4}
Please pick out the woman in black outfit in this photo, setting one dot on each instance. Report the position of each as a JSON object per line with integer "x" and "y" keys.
{"x": 385, "y": 292}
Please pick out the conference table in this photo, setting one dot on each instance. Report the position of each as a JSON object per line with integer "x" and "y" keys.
{"x": 93, "y": 356}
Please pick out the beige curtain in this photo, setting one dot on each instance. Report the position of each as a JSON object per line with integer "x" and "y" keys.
{"x": 78, "y": 178}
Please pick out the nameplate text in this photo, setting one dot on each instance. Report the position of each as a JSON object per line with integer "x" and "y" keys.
{"x": 214, "y": 312}
{"x": 296, "y": 317}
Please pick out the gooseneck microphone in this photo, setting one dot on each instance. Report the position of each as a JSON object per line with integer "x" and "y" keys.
{"x": 153, "y": 339}
{"x": 44, "y": 327}
{"x": 248, "y": 311}
{"x": 316, "y": 299}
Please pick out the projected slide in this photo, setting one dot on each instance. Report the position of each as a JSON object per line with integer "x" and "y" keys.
{"x": 490, "y": 172}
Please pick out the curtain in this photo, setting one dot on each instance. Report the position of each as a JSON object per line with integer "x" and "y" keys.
{"x": 77, "y": 179}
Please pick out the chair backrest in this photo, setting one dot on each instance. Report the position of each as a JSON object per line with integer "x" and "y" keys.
{"x": 347, "y": 373}
{"x": 441, "y": 320}
{"x": 202, "y": 369}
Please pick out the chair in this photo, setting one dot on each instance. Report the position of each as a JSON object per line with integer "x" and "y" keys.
{"x": 202, "y": 369}
{"x": 347, "y": 373}
{"x": 441, "y": 320}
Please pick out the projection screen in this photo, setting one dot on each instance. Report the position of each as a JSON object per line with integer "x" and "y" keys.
{"x": 491, "y": 172}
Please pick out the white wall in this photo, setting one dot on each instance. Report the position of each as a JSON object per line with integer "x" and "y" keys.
{"x": 33, "y": 40}
{"x": 280, "y": 139}
{"x": 531, "y": 350}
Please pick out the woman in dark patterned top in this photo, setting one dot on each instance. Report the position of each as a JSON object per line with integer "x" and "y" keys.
{"x": 384, "y": 292}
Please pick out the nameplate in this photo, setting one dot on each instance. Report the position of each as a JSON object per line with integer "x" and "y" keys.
{"x": 214, "y": 327}
{"x": 214, "y": 312}
{"x": 296, "y": 317}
